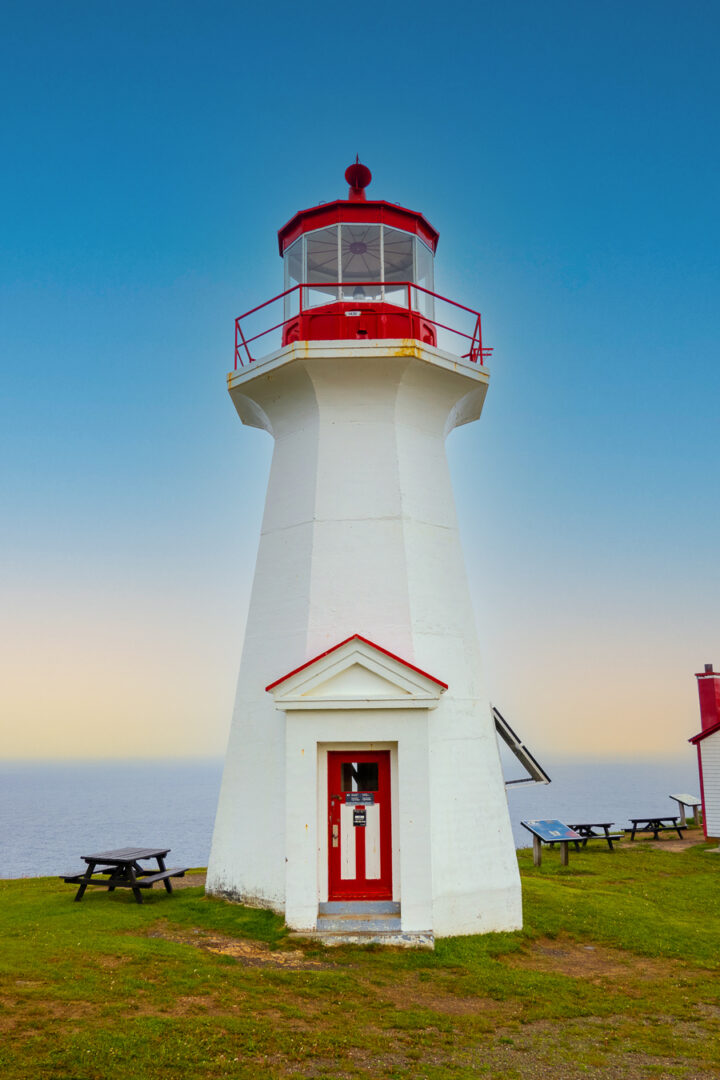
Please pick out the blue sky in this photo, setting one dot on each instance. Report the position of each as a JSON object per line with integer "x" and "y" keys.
{"x": 568, "y": 155}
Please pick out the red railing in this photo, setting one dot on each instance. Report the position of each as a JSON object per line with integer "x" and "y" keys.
{"x": 477, "y": 352}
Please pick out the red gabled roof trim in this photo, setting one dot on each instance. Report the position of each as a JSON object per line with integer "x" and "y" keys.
{"x": 357, "y": 637}
{"x": 703, "y": 734}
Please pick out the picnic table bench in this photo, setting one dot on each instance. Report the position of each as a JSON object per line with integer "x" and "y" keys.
{"x": 122, "y": 869}
{"x": 587, "y": 831}
{"x": 656, "y": 825}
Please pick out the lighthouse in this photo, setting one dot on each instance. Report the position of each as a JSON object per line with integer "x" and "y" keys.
{"x": 362, "y": 794}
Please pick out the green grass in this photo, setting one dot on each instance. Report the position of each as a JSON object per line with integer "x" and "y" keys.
{"x": 615, "y": 975}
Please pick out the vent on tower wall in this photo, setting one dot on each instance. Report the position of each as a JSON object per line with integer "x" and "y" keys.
{"x": 535, "y": 771}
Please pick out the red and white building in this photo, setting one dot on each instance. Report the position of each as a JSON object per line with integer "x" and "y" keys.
{"x": 707, "y": 742}
{"x": 362, "y": 793}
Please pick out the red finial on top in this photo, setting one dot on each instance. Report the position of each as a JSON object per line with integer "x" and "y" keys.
{"x": 358, "y": 177}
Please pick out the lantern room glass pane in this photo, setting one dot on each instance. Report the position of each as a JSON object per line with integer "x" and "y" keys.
{"x": 361, "y": 262}
{"x": 321, "y": 258}
{"x": 356, "y": 252}
{"x": 294, "y": 264}
{"x": 398, "y": 260}
{"x": 398, "y": 252}
{"x": 424, "y": 276}
{"x": 294, "y": 274}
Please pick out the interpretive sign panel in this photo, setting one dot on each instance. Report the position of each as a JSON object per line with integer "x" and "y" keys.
{"x": 551, "y": 831}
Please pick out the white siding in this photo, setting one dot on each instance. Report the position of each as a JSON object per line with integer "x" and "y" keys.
{"x": 710, "y": 754}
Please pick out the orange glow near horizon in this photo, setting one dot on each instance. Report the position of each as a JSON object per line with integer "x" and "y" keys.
{"x": 133, "y": 680}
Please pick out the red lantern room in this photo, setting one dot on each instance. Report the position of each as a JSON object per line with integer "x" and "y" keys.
{"x": 359, "y": 260}
{"x": 359, "y": 268}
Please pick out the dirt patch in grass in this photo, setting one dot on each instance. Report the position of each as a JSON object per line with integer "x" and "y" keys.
{"x": 249, "y": 953}
{"x": 596, "y": 963}
{"x": 256, "y": 954}
{"x": 193, "y": 1006}
{"x": 189, "y": 881}
{"x": 109, "y": 963}
{"x": 672, "y": 843}
{"x": 413, "y": 993}
{"x": 598, "y": 1048}
{"x": 17, "y": 1019}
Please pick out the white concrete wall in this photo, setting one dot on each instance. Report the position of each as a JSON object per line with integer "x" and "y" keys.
{"x": 310, "y": 735}
{"x": 360, "y": 536}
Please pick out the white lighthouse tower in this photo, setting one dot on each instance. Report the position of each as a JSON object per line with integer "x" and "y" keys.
{"x": 362, "y": 795}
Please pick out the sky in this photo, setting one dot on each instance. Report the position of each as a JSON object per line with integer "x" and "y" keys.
{"x": 568, "y": 155}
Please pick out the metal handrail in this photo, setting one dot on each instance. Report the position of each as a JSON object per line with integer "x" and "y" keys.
{"x": 477, "y": 352}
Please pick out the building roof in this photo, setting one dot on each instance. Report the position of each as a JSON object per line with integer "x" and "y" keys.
{"x": 357, "y": 637}
{"x": 376, "y": 211}
{"x": 357, "y": 208}
{"x": 704, "y": 734}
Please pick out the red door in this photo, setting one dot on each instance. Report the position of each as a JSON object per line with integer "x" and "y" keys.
{"x": 360, "y": 830}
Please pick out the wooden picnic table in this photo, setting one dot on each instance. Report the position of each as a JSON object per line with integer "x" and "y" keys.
{"x": 656, "y": 825}
{"x": 122, "y": 869}
{"x": 587, "y": 831}
{"x": 684, "y": 801}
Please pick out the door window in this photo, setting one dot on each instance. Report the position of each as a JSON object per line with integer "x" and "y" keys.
{"x": 360, "y": 776}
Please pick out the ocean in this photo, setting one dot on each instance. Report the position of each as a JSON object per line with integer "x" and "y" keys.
{"x": 51, "y": 813}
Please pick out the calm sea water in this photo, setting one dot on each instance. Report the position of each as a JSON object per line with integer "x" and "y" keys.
{"x": 52, "y": 813}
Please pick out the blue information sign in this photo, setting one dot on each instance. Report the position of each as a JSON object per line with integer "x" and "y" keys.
{"x": 550, "y": 831}
{"x": 364, "y": 798}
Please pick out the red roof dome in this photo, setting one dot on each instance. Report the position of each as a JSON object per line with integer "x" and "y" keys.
{"x": 357, "y": 208}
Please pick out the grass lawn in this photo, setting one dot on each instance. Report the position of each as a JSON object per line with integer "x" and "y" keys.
{"x": 615, "y": 975}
